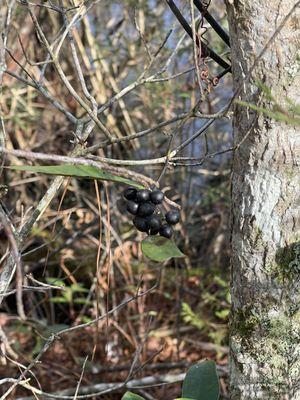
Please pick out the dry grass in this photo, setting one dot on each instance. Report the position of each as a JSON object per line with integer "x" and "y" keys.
{"x": 84, "y": 240}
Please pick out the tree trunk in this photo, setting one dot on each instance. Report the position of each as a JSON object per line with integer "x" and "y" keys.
{"x": 265, "y": 322}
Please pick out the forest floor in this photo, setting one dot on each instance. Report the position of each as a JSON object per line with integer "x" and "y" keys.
{"x": 181, "y": 321}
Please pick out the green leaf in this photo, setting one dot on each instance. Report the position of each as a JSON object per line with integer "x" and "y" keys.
{"x": 160, "y": 249}
{"x": 79, "y": 171}
{"x": 132, "y": 396}
{"x": 55, "y": 299}
{"x": 201, "y": 382}
{"x": 38, "y": 346}
{"x": 55, "y": 328}
{"x": 78, "y": 287}
{"x": 190, "y": 317}
{"x": 82, "y": 301}
{"x": 56, "y": 282}
{"x": 223, "y": 314}
{"x": 277, "y": 115}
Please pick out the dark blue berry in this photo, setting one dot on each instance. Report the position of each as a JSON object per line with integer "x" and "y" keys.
{"x": 154, "y": 222}
{"x": 140, "y": 224}
{"x": 153, "y": 232}
{"x": 143, "y": 195}
{"x": 146, "y": 209}
{"x": 172, "y": 217}
{"x": 130, "y": 193}
{"x": 156, "y": 196}
{"x": 132, "y": 207}
{"x": 166, "y": 231}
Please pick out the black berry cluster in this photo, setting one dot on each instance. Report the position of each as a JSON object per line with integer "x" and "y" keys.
{"x": 143, "y": 204}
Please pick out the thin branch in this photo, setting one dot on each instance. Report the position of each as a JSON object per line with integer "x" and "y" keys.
{"x": 64, "y": 79}
{"x": 45, "y": 93}
{"x": 62, "y": 332}
{"x": 13, "y": 239}
{"x": 80, "y": 161}
{"x": 195, "y": 48}
{"x": 206, "y": 51}
{"x": 213, "y": 23}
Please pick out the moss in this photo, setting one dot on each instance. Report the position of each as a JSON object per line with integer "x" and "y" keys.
{"x": 244, "y": 322}
{"x": 286, "y": 255}
{"x": 270, "y": 340}
{"x": 257, "y": 242}
{"x": 287, "y": 263}
{"x": 291, "y": 173}
{"x": 266, "y": 332}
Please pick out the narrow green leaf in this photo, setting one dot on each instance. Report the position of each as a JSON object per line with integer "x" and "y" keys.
{"x": 55, "y": 282}
{"x": 81, "y": 301}
{"x": 79, "y": 171}
{"x": 77, "y": 287}
{"x": 267, "y": 91}
{"x": 294, "y": 108}
{"x": 55, "y": 328}
{"x": 277, "y": 115}
{"x": 160, "y": 249}
{"x": 57, "y": 299}
{"x": 132, "y": 396}
{"x": 202, "y": 382}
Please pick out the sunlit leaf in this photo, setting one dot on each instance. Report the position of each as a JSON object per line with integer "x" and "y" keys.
{"x": 160, "y": 249}
{"x": 79, "y": 171}
{"x": 132, "y": 396}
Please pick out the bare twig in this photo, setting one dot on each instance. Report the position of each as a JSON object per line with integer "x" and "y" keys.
{"x": 63, "y": 332}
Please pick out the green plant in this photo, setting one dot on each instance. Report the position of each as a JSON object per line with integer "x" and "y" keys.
{"x": 71, "y": 295}
{"x": 191, "y": 318}
{"x": 160, "y": 249}
{"x": 290, "y": 114}
{"x": 200, "y": 383}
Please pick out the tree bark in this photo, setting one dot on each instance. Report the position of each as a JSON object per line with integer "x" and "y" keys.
{"x": 265, "y": 321}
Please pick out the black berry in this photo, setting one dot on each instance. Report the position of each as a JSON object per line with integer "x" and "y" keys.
{"x": 130, "y": 193}
{"x": 143, "y": 195}
{"x": 156, "y": 196}
{"x": 153, "y": 232}
{"x": 146, "y": 209}
{"x": 132, "y": 207}
{"x": 140, "y": 224}
{"x": 166, "y": 231}
{"x": 154, "y": 222}
{"x": 172, "y": 217}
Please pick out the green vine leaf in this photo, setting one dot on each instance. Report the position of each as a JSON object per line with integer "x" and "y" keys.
{"x": 132, "y": 396}
{"x": 160, "y": 249}
{"x": 79, "y": 171}
{"x": 202, "y": 382}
